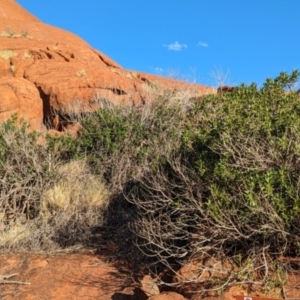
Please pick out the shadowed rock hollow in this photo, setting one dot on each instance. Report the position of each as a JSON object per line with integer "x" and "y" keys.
{"x": 47, "y": 73}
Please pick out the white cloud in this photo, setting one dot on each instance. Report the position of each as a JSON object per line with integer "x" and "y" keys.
{"x": 157, "y": 69}
{"x": 202, "y": 44}
{"x": 176, "y": 46}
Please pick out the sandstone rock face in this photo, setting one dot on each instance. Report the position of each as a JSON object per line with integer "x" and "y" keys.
{"x": 149, "y": 287}
{"x": 20, "y": 97}
{"x": 58, "y": 73}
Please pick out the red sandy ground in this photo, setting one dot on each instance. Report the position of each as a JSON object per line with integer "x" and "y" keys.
{"x": 85, "y": 276}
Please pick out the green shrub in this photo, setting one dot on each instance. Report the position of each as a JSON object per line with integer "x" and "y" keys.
{"x": 251, "y": 166}
{"x": 21, "y": 170}
{"x": 48, "y": 201}
{"x": 122, "y": 143}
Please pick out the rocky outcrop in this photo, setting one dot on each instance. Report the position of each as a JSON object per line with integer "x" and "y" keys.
{"x": 20, "y": 97}
{"x": 47, "y": 72}
{"x": 225, "y": 89}
{"x": 149, "y": 287}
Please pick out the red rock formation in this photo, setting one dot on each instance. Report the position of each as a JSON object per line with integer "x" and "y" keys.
{"x": 149, "y": 287}
{"x": 19, "y": 96}
{"x": 225, "y": 89}
{"x": 47, "y": 72}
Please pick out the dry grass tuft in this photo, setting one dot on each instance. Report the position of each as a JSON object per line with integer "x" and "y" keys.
{"x": 17, "y": 232}
{"x": 75, "y": 189}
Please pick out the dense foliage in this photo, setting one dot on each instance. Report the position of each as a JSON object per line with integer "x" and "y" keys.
{"x": 185, "y": 178}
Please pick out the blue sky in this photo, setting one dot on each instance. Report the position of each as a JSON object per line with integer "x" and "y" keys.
{"x": 196, "y": 40}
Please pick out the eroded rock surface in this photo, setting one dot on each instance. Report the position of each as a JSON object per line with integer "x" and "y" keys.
{"x": 149, "y": 286}
{"x": 20, "y": 97}
{"x": 63, "y": 71}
